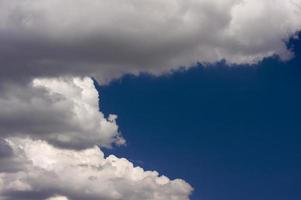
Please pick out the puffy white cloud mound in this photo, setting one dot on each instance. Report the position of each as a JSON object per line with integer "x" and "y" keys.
{"x": 63, "y": 111}
{"x": 109, "y": 38}
{"x": 53, "y": 173}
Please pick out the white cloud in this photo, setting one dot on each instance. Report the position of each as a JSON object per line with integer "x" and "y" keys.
{"x": 57, "y": 198}
{"x": 109, "y": 38}
{"x": 51, "y": 128}
{"x": 63, "y": 111}
{"x": 50, "y": 172}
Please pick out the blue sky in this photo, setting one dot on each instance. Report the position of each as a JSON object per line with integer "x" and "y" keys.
{"x": 231, "y": 132}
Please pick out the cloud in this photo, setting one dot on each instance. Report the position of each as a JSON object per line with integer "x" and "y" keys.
{"x": 106, "y": 39}
{"x": 51, "y": 173}
{"x": 63, "y": 111}
{"x": 51, "y": 129}
{"x": 57, "y": 198}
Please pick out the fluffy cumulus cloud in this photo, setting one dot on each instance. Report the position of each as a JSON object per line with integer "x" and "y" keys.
{"x": 63, "y": 111}
{"x": 50, "y": 173}
{"x": 50, "y": 130}
{"x": 109, "y": 38}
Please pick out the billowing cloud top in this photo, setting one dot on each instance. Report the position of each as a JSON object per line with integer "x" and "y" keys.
{"x": 108, "y": 38}
{"x": 50, "y": 173}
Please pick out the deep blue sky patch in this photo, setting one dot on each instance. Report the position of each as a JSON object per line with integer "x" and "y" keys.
{"x": 232, "y": 132}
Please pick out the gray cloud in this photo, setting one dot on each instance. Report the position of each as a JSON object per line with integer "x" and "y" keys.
{"x": 5, "y": 150}
{"x": 63, "y": 111}
{"x": 109, "y": 38}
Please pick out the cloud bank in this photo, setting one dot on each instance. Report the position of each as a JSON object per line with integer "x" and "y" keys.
{"x": 50, "y": 132}
{"x": 109, "y": 38}
{"x": 50, "y": 173}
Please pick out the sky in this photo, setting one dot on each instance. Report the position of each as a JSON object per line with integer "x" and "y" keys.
{"x": 152, "y": 99}
{"x": 233, "y": 133}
